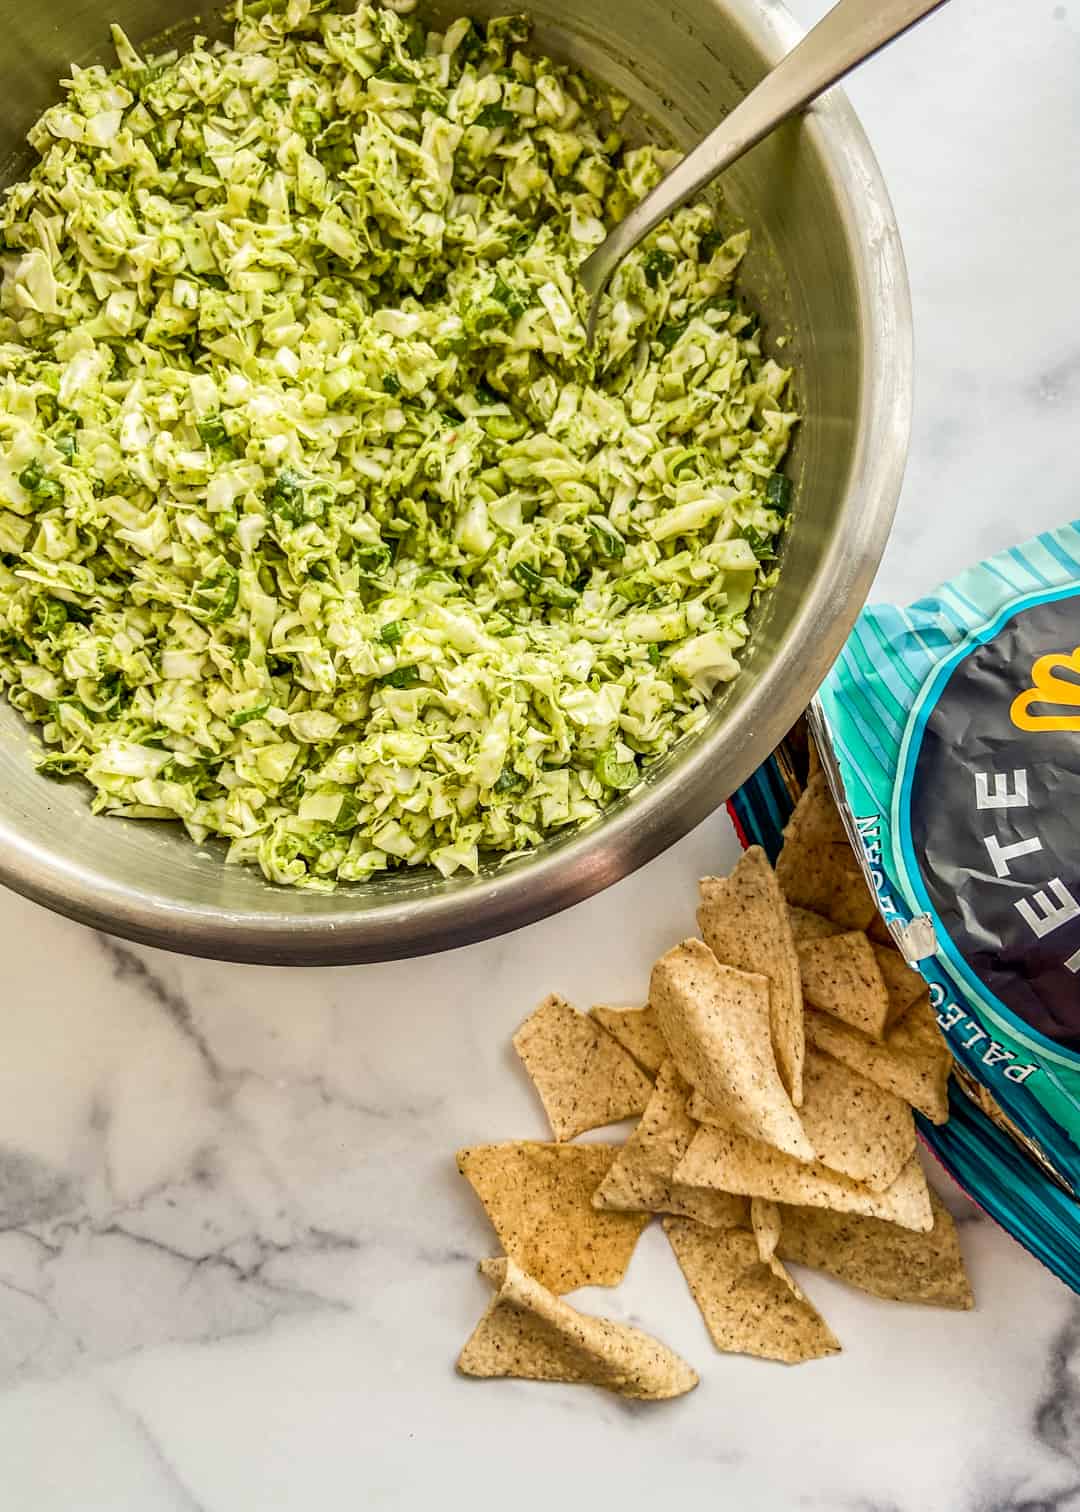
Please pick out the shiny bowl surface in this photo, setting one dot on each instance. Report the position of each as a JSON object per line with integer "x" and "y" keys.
{"x": 827, "y": 271}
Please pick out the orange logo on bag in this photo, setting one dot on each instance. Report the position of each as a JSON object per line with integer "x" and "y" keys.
{"x": 1058, "y": 695}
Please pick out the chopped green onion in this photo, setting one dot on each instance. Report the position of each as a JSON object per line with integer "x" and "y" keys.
{"x": 373, "y": 561}
{"x": 778, "y": 492}
{"x": 616, "y": 774}
{"x": 607, "y": 539}
{"x": 212, "y": 431}
{"x": 548, "y": 590}
{"x": 516, "y": 304}
{"x": 495, "y": 115}
{"x": 669, "y": 334}
{"x": 402, "y": 677}
{"x": 253, "y": 711}
{"x": 657, "y": 265}
{"x": 215, "y": 597}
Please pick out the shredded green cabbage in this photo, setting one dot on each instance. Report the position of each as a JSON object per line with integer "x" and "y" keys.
{"x": 320, "y": 528}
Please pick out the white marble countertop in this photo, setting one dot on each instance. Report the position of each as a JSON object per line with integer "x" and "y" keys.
{"x": 236, "y": 1263}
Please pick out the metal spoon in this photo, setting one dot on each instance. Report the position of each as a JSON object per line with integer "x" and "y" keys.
{"x": 849, "y": 34}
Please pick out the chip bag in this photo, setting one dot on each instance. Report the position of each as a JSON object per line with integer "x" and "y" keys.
{"x": 950, "y": 733}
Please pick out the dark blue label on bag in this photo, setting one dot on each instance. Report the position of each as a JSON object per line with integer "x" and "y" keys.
{"x": 994, "y": 811}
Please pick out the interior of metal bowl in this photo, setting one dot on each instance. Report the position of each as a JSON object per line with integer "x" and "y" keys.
{"x": 826, "y": 272}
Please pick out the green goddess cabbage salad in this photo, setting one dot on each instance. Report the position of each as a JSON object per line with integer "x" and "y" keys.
{"x": 320, "y": 529}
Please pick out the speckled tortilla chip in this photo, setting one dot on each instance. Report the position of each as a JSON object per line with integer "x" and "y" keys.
{"x": 841, "y": 976}
{"x": 807, "y": 925}
{"x": 641, "y": 1177}
{"x": 826, "y": 879}
{"x": 765, "y": 1222}
{"x": 585, "y": 1080}
{"x": 745, "y": 924}
{"x": 816, "y": 819}
{"x": 529, "y": 1333}
{"x": 879, "y": 1257}
{"x": 716, "y": 1023}
{"x": 727, "y": 1160}
{"x": 750, "y": 1306}
{"x": 856, "y": 1127}
{"x": 903, "y": 984}
{"x": 637, "y": 1030}
{"x": 539, "y": 1200}
{"x": 913, "y": 1062}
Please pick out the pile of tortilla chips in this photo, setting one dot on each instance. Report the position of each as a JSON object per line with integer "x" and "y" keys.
{"x": 774, "y": 1071}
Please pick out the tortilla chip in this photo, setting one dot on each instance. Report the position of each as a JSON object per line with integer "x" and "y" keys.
{"x": 744, "y": 921}
{"x": 841, "y": 976}
{"x": 585, "y": 1080}
{"x": 903, "y": 984}
{"x": 765, "y": 1222}
{"x": 856, "y": 1127}
{"x": 880, "y": 932}
{"x": 716, "y": 1022}
{"x": 539, "y": 1200}
{"x": 826, "y": 879}
{"x": 750, "y": 1306}
{"x": 813, "y": 757}
{"x": 637, "y": 1030}
{"x": 641, "y": 1179}
{"x": 807, "y": 925}
{"x": 727, "y": 1160}
{"x": 816, "y": 819}
{"x": 913, "y": 1062}
{"x": 880, "y": 1258}
{"x": 528, "y": 1333}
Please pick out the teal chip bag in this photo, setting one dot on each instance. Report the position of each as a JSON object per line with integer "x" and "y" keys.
{"x": 950, "y": 731}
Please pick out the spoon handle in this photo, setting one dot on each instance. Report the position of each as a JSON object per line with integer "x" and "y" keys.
{"x": 850, "y": 33}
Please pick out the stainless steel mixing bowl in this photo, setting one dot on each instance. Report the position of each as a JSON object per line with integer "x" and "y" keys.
{"x": 826, "y": 269}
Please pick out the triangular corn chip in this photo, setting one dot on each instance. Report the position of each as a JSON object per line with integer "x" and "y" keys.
{"x": 813, "y": 758}
{"x": 841, "y": 976}
{"x": 750, "y": 1306}
{"x": 904, "y": 985}
{"x": 641, "y": 1177}
{"x": 730, "y": 1162}
{"x": 913, "y": 1062}
{"x": 529, "y": 1333}
{"x": 879, "y": 1257}
{"x": 745, "y": 924}
{"x": 716, "y": 1023}
{"x": 816, "y": 819}
{"x": 539, "y": 1200}
{"x": 585, "y": 1080}
{"x": 765, "y": 1222}
{"x": 856, "y": 1127}
{"x": 807, "y": 925}
{"x": 880, "y": 932}
{"x": 826, "y": 879}
{"x": 637, "y": 1031}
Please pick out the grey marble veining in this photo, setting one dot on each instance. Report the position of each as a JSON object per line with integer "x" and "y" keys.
{"x": 236, "y": 1263}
